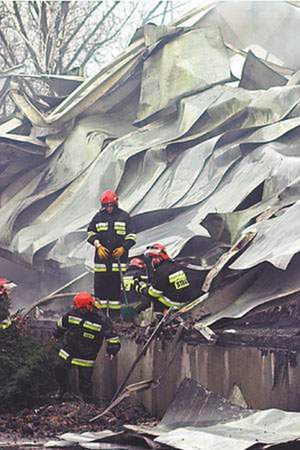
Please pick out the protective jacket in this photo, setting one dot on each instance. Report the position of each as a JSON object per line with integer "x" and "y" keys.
{"x": 83, "y": 332}
{"x": 5, "y": 321}
{"x": 132, "y": 277}
{"x": 170, "y": 286}
{"x": 112, "y": 231}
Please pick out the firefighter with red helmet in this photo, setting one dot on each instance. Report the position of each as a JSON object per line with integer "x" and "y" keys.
{"x": 170, "y": 286}
{"x": 136, "y": 273}
{"x": 5, "y": 288}
{"x": 83, "y": 330}
{"x": 111, "y": 232}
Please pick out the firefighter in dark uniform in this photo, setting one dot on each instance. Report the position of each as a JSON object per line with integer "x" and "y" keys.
{"x": 170, "y": 285}
{"x": 136, "y": 272}
{"x": 5, "y": 288}
{"x": 112, "y": 233}
{"x": 83, "y": 330}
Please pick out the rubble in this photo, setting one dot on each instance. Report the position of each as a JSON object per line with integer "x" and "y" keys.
{"x": 56, "y": 418}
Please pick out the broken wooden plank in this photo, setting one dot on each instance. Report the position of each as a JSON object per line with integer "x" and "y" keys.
{"x": 235, "y": 249}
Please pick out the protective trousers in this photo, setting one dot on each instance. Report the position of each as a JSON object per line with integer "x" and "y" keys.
{"x": 62, "y": 369}
{"x": 107, "y": 289}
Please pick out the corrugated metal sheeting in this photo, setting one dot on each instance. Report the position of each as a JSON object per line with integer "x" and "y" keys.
{"x": 200, "y": 157}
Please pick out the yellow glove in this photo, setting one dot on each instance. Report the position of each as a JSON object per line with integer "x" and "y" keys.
{"x": 103, "y": 252}
{"x": 118, "y": 252}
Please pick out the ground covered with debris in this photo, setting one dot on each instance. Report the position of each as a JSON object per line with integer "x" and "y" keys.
{"x": 54, "y": 419}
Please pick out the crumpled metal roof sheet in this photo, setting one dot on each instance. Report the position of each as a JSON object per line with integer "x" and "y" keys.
{"x": 225, "y": 154}
{"x": 199, "y": 419}
{"x": 171, "y": 71}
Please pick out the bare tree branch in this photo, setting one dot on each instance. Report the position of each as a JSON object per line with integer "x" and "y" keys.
{"x": 164, "y": 13}
{"x": 109, "y": 38}
{"x": 94, "y": 30}
{"x": 7, "y": 47}
{"x": 20, "y": 28}
{"x": 52, "y": 36}
{"x": 150, "y": 13}
{"x": 173, "y": 9}
{"x": 43, "y": 21}
{"x": 80, "y": 25}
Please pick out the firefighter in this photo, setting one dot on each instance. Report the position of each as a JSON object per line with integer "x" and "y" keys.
{"x": 136, "y": 272}
{"x": 170, "y": 286}
{"x": 112, "y": 234}
{"x": 5, "y": 288}
{"x": 83, "y": 330}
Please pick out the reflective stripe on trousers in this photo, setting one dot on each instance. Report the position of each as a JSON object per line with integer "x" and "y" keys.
{"x": 109, "y": 304}
{"x": 115, "y": 267}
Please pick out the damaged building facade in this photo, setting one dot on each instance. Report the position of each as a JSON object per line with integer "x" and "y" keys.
{"x": 197, "y": 128}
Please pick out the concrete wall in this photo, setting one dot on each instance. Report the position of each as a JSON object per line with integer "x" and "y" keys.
{"x": 215, "y": 367}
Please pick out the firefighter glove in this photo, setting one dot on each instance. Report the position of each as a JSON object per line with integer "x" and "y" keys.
{"x": 102, "y": 252}
{"x": 118, "y": 252}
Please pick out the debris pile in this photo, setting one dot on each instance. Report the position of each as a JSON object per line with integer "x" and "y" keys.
{"x": 51, "y": 420}
{"x": 220, "y": 424}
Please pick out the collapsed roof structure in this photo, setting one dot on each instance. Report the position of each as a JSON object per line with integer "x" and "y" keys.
{"x": 196, "y": 126}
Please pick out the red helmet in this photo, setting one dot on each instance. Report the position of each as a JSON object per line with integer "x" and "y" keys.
{"x": 83, "y": 300}
{"x": 109, "y": 197}
{"x": 157, "y": 252}
{"x": 137, "y": 262}
{"x": 6, "y": 286}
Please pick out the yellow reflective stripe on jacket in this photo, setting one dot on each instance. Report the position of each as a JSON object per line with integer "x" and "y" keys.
{"x": 89, "y": 335}
{"x": 83, "y": 362}
{"x": 5, "y": 324}
{"x": 100, "y": 268}
{"x": 179, "y": 279}
{"x": 121, "y": 232}
{"x": 169, "y": 303}
{"x": 74, "y": 320}
{"x": 115, "y": 267}
{"x": 142, "y": 285}
{"x": 120, "y": 228}
{"x": 63, "y": 354}
{"x": 119, "y": 225}
{"x": 102, "y": 226}
{"x": 128, "y": 282}
{"x": 91, "y": 234}
{"x": 59, "y": 323}
{"x": 113, "y": 340}
{"x": 130, "y": 236}
{"x": 154, "y": 292}
{"x": 92, "y": 326}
